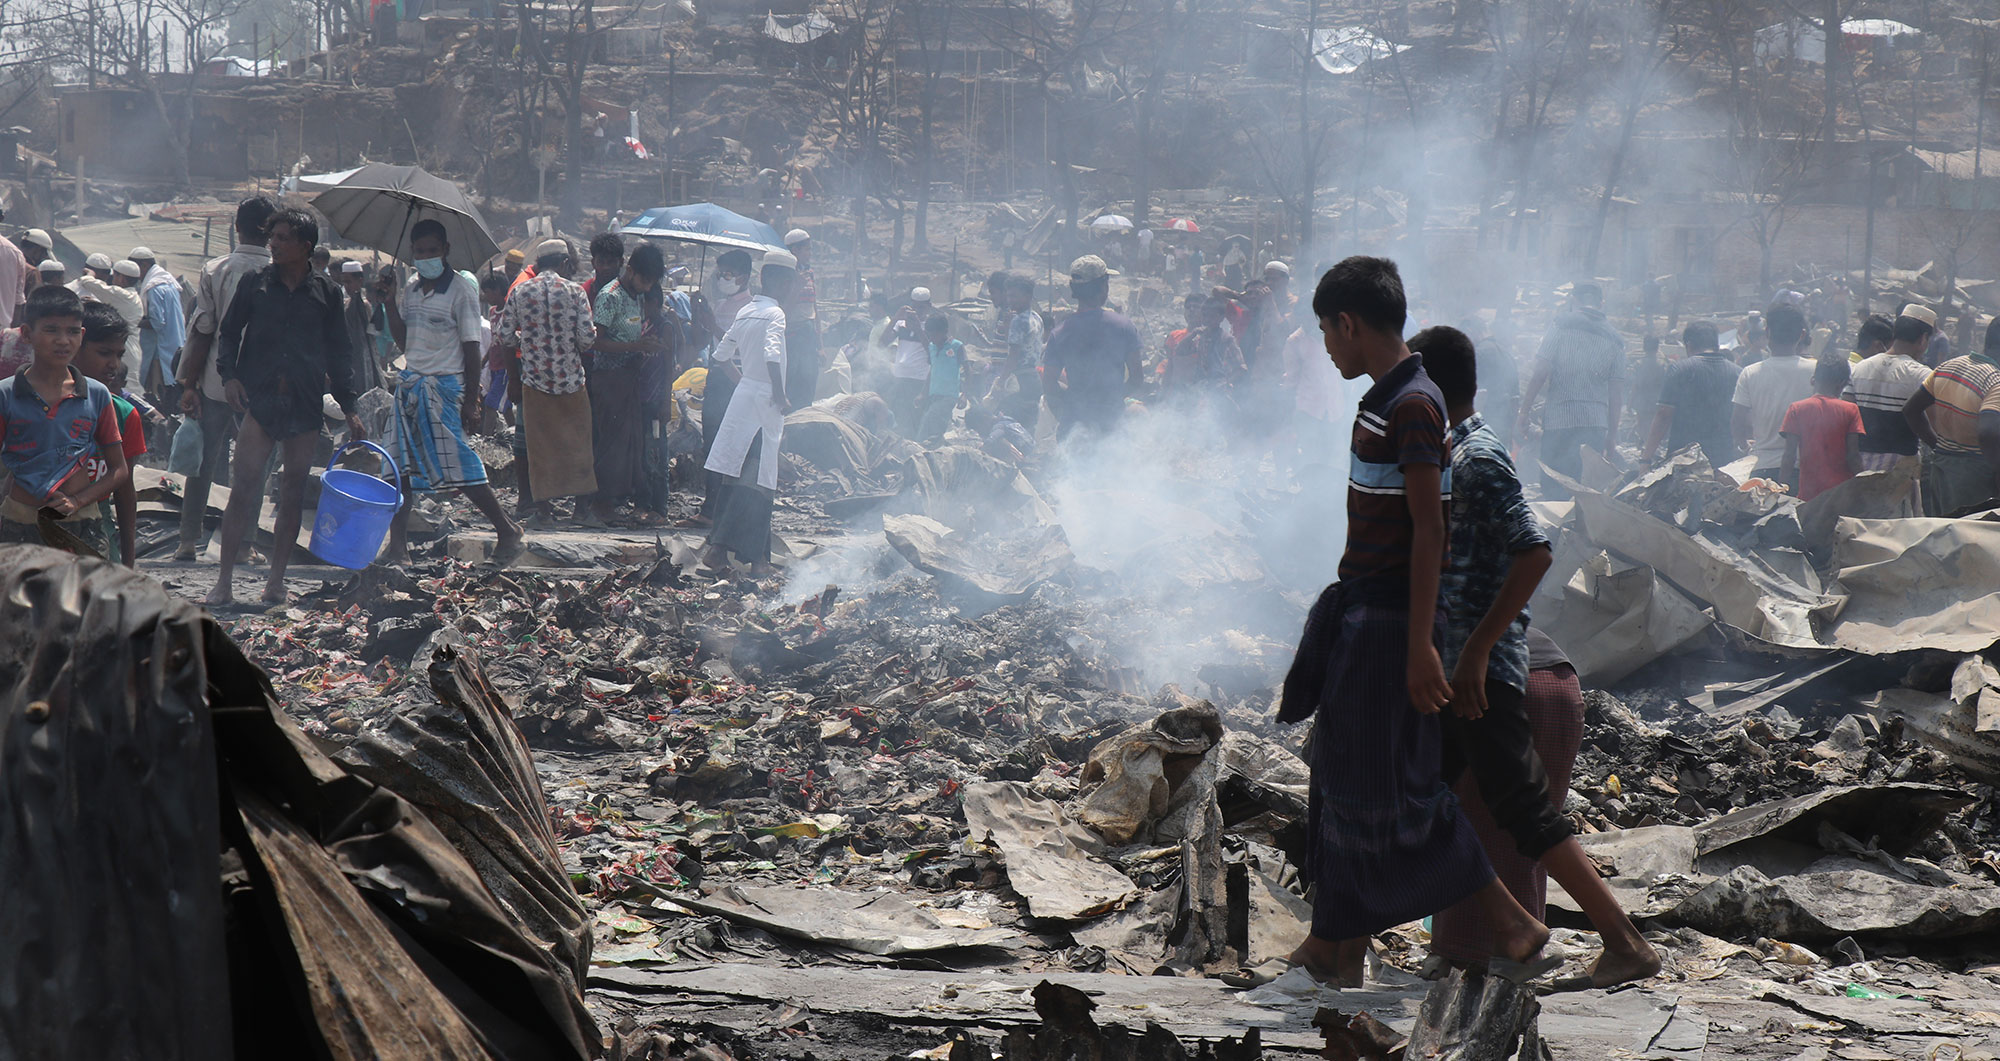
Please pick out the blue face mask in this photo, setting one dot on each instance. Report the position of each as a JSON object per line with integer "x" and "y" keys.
{"x": 430, "y": 268}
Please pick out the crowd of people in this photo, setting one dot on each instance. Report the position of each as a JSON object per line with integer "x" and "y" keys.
{"x": 1809, "y": 410}
{"x": 594, "y": 371}
{"x": 240, "y": 381}
{"x": 586, "y": 360}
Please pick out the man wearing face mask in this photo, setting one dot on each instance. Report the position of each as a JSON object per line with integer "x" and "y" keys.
{"x": 436, "y": 322}
{"x": 730, "y": 292}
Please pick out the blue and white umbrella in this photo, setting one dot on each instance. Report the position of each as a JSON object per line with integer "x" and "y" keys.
{"x": 708, "y": 224}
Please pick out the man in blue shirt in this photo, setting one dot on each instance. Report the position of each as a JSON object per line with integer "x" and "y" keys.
{"x": 1093, "y": 357}
{"x": 163, "y": 328}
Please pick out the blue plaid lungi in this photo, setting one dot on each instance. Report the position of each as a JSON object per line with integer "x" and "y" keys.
{"x": 429, "y": 436}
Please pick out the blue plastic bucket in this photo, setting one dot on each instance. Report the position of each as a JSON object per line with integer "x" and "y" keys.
{"x": 354, "y": 511}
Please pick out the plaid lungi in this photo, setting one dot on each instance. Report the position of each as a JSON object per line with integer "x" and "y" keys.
{"x": 1387, "y": 843}
{"x": 429, "y": 436}
{"x": 1554, "y": 704}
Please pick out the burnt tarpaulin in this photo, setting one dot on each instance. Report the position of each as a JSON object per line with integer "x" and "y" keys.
{"x": 461, "y": 760}
{"x": 114, "y": 941}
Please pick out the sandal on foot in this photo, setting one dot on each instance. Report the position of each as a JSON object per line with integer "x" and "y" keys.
{"x": 1520, "y": 973}
{"x": 1589, "y": 980}
{"x": 1435, "y": 967}
{"x": 1257, "y": 975}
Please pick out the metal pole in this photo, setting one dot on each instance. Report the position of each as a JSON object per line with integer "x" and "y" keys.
{"x": 1868, "y": 246}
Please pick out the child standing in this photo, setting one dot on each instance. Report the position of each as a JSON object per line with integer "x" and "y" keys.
{"x": 947, "y": 359}
{"x": 1387, "y": 842}
{"x": 52, "y": 420}
{"x": 102, "y": 358}
{"x": 1822, "y": 433}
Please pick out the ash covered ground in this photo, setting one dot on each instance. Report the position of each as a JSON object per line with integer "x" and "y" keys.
{"x": 762, "y": 787}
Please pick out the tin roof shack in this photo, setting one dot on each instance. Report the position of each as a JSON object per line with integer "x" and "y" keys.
{"x": 1949, "y": 180}
{"x": 117, "y": 133}
{"x": 242, "y": 128}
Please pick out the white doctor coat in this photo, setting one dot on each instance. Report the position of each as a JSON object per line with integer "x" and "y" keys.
{"x": 755, "y": 340}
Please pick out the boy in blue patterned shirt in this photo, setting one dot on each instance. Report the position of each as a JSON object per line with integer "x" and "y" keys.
{"x": 1498, "y": 556}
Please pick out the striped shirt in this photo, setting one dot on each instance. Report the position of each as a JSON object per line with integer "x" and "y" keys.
{"x": 1881, "y": 386}
{"x": 1961, "y": 386}
{"x": 1401, "y": 422}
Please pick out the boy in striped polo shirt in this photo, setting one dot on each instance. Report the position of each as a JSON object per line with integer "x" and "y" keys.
{"x": 1387, "y": 842}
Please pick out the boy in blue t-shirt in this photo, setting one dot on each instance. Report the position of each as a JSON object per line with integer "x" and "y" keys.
{"x": 947, "y": 375}
{"x": 53, "y": 419}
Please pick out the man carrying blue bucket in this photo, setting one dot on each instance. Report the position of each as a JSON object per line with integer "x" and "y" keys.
{"x": 436, "y": 322}
{"x": 281, "y": 347}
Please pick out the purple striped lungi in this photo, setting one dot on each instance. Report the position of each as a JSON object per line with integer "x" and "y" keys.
{"x": 1387, "y": 843}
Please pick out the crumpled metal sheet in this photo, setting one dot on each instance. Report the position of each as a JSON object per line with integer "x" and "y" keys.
{"x": 464, "y": 764}
{"x": 1745, "y": 593}
{"x": 1950, "y": 726}
{"x": 114, "y": 940}
{"x": 1611, "y": 616}
{"x": 1917, "y": 583}
{"x": 344, "y": 946}
{"x": 460, "y": 948}
{"x": 1801, "y": 869}
{"x": 1008, "y": 568}
{"x": 1901, "y": 813}
{"x": 871, "y": 922}
{"x": 1887, "y": 494}
{"x": 356, "y": 928}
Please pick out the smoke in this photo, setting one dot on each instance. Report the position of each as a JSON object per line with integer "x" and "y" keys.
{"x": 859, "y": 566}
{"x": 1202, "y": 535}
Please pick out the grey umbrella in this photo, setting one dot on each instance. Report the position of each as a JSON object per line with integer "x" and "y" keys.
{"x": 376, "y": 206}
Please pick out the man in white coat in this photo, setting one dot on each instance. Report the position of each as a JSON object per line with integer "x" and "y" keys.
{"x": 745, "y": 452}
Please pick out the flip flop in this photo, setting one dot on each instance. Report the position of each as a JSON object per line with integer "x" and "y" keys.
{"x": 1257, "y": 975}
{"x": 1520, "y": 973}
{"x": 1435, "y": 967}
{"x": 1587, "y": 981}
